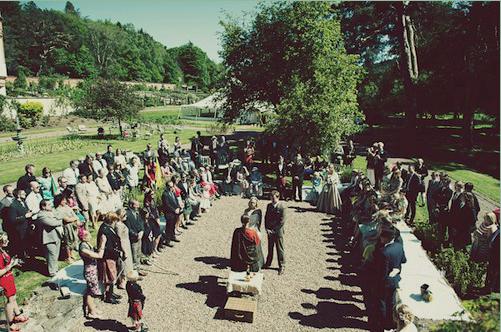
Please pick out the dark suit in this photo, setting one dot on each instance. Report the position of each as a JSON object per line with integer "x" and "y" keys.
{"x": 385, "y": 259}
{"x": 23, "y": 183}
{"x": 441, "y": 199}
{"x": 135, "y": 222}
{"x": 274, "y": 221}
{"x": 433, "y": 188}
{"x": 297, "y": 173}
{"x": 86, "y": 169}
{"x": 20, "y": 223}
{"x": 281, "y": 180}
{"x": 169, "y": 205}
{"x": 413, "y": 187}
{"x": 493, "y": 268}
{"x": 380, "y": 164}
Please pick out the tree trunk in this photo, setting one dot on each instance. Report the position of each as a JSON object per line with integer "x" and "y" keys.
{"x": 468, "y": 126}
{"x": 408, "y": 64}
{"x": 120, "y": 127}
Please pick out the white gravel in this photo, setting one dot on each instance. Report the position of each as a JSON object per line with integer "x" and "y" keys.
{"x": 315, "y": 291}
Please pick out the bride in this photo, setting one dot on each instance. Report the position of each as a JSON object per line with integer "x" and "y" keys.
{"x": 329, "y": 200}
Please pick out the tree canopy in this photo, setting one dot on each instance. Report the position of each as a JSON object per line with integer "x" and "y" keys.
{"x": 292, "y": 56}
{"x": 48, "y": 42}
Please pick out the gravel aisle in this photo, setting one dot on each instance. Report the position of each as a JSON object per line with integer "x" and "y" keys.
{"x": 315, "y": 291}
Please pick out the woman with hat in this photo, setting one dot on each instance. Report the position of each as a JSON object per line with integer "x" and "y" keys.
{"x": 481, "y": 238}
{"x": 12, "y": 312}
{"x": 90, "y": 257}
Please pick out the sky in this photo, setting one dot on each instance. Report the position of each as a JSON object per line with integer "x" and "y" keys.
{"x": 171, "y": 22}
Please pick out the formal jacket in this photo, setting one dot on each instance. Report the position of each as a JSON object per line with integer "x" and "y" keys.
{"x": 433, "y": 187}
{"x": 82, "y": 195}
{"x": 413, "y": 186}
{"x": 52, "y": 226}
{"x": 422, "y": 171}
{"x": 134, "y": 221}
{"x": 115, "y": 180}
{"x": 386, "y": 258}
{"x": 281, "y": 172}
{"x": 24, "y": 182}
{"x": 274, "y": 218}
{"x": 442, "y": 198}
{"x": 17, "y": 215}
{"x": 169, "y": 202}
{"x": 380, "y": 162}
{"x": 297, "y": 169}
{"x": 109, "y": 157}
{"x": 184, "y": 190}
{"x": 86, "y": 169}
{"x": 5, "y": 204}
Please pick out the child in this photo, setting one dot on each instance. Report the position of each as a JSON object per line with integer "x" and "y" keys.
{"x": 136, "y": 300}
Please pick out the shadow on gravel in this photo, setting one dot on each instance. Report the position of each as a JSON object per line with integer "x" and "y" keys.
{"x": 106, "y": 325}
{"x": 300, "y": 209}
{"x": 213, "y": 288}
{"x": 339, "y": 308}
{"x": 219, "y": 263}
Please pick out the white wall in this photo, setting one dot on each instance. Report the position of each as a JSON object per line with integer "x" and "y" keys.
{"x": 50, "y": 107}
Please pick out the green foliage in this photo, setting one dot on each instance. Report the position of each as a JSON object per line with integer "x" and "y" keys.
{"x": 103, "y": 99}
{"x": 20, "y": 83}
{"x": 292, "y": 57}
{"x": 428, "y": 234}
{"x": 30, "y": 114}
{"x": 6, "y": 124}
{"x": 463, "y": 274}
{"x": 485, "y": 314}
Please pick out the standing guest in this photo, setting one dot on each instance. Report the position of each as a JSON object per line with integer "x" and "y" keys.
{"x": 274, "y": 222}
{"x": 400, "y": 207}
{"x": 256, "y": 182}
{"x": 222, "y": 151}
{"x": 72, "y": 173}
{"x": 281, "y": 172}
{"x": 96, "y": 200}
{"x": 116, "y": 181}
{"x": 135, "y": 224}
{"x": 468, "y": 188}
{"x": 187, "y": 208}
{"x": 297, "y": 172}
{"x": 456, "y": 209}
{"x": 24, "y": 181}
{"x": 148, "y": 154}
{"x": 86, "y": 168}
{"x": 177, "y": 145}
{"x": 109, "y": 156}
{"x": 380, "y": 164}
{"x": 433, "y": 187}
{"x": 70, "y": 225}
{"x": 34, "y": 198}
{"x": 71, "y": 200}
{"x": 152, "y": 218}
{"x": 329, "y": 200}
{"x": 83, "y": 198}
{"x": 163, "y": 152}
{"x": 493, "y": 267}
{"x": 193, "y": 200}
{"x": 20, "y": 217}
{"x": 422, "y": 171}
{"x": 412, "y": 189}
{"x": 149, "y": 173}
{"x": 108, "y": 202}
{"x": 249, "y": 151}
{"x": 441, "y": 199}
{"x": 13, "y": 313}
{"x": 388, "y": 258}
{"x": 136, "y": 300}
{"x": 197, "y": 145}
{"x": 314, "y": 193}
{"x": 255, "y": 220}
{"x": 99, "y": 164}
{"x": 482, "y": 237}
{"x": 371, "y": 163}
{"x": 120, "y": 158}
{"x": 212, "y": 150}
{"x": 52, "y": 233}
{"x": 244, "y": 248}
{"x": 464, "y": 223}
{"x": 171, "y": 211}
{"x": 108, "y": 240}
{"x": 162, "y": 141}
{"x": 132, "y": 173}
{"x": 349, "y": 153}
{"x": 89, "y": 257}
{"x": 48, "y": 185}
{"x": 394, "y": 184}
{"x": 5, "y": 204}
{"x": 126, "y": 264}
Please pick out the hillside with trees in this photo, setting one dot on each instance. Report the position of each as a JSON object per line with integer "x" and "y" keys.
{"x": 44, "y": 42}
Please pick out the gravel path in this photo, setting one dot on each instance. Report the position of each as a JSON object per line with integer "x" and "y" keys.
{"x": 315, "y": 292}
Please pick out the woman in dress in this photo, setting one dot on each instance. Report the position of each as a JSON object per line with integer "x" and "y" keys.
{"x": 316, "y": 182}
{"x": 132, "y": 177}
{"x": 89, "y": 257}
{"x": 149, "y": 173}
{"x": 70, "y": 225}
{"x": 244, "y": 248}
{"x": 108, "y": 239}
{"x": 47, "y": 185}
{"x": 255, "y": 220}
{"x": 482, "y": 238}
{"x": 123, "y": 233}
{"x": 329, "y": 200}
{"x": 12, "y": 312}
{"x": 152, "y": 217}
{"x": 249, "y": 154}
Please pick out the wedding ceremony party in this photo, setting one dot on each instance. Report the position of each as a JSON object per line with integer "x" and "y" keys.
{"x": 249, "y": 166}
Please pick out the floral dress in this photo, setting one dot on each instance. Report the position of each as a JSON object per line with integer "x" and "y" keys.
{"x": 90, "y": 271}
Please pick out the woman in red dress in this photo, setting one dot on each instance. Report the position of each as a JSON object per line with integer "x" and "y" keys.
{"x": 150, "y": 173}
{"x": 12, "y": 311}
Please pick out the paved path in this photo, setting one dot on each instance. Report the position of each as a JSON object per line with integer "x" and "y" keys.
{"x": 315, "y": 292}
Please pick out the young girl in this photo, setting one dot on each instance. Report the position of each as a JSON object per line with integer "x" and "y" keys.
{"x": 12, "y": 311}
{"x": 136, "y": 300}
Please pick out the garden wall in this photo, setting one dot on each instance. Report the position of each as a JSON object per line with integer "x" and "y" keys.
{"x": 50, "y": 107}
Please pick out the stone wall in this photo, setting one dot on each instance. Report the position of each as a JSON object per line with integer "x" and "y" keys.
{"x": 50, "y": 107}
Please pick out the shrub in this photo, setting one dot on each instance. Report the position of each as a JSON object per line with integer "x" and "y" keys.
{"x": 463, "y": 274}
{"x": 428, "y": 234}
{"x": 30, "y": 114}
{"x": 6, "y": 124}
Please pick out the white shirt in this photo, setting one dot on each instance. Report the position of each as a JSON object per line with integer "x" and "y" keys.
{"x": 33, "y": 201}
{"x": 71, "y": 175}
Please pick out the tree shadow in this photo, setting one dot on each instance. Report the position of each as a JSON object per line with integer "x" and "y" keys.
{"x": 219, "y": 263}
{"x": 325, "y": 293}
{"x": 107, "y": 325}
{"x": 210, "y": 286}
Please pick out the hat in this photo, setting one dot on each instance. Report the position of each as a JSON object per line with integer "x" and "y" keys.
{"x": 133, "y": 275}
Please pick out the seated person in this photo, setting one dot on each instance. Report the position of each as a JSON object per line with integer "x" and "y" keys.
{"x": 256, "y": 182}
{"x": 399, "y": 204}
{"x": 244, "y": 248}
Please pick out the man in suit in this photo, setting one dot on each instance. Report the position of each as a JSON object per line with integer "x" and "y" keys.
{"x": 23, "y": 183}
{"x": 135, "y": 223}
{"x": 52, "y": 233}
{"x": 171, "y": 209}
{"x": 433, "y": 187}
{"x": 187, "y": 210}
{"x": 5, "y": 203}
{"x": 20, "y": 221}
{"x": 412, "y": 188}
{"x": 109, "y": 156}
{"x": 274, "y": 221}
{"x": 441, "y": 199}
{"x": 388, "y": 258}
{"x": 281, "y": 172}
{"x": 468, "y": 187}
{"x": 380, "y": 164}
{"x": 297, "y": 172}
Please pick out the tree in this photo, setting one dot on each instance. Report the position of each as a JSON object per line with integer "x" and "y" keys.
{"x": 293, "y": 57}
{"x": 107, "y": 100}
{"x": 70, "y": 9}
{"x": 20, "y": 83}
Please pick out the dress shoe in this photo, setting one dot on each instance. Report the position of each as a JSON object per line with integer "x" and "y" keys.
{"x": 266, "y": 266}
{"x": 184, "y": 226}
{"x": 142, "y": 273}
{"x": 281, "y": 271}
{"x": 189, "y": 223}
{"x": 111, "y": 300}
{"x": 175, "y": 239}
{"x": 170, "y": 245}
{"x": 116, "y": 296}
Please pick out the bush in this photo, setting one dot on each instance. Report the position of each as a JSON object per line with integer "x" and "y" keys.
{"x": 428, "y": 234}
{"x": 463, "y": 274}
{"x": 6, "y": 124}
{"x": 30, "y": 114}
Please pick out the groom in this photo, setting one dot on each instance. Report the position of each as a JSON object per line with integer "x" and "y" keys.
{"x": 274, "y": 223}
